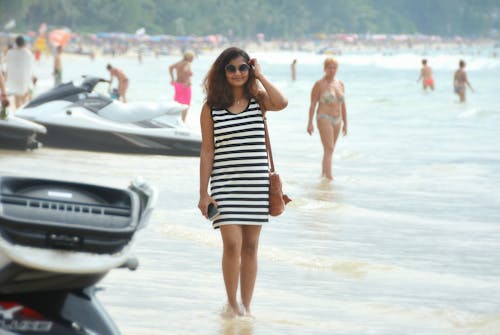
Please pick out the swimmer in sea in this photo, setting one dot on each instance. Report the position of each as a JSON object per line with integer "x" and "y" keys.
{"x": 426, "y": 76}
{"x": 460, "y": 81}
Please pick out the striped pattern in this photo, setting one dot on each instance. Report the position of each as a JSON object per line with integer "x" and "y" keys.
{"x": 240, "y": 174}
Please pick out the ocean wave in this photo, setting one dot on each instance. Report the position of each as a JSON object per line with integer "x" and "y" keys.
{"x": 478, "y": 113}
{"x": 401, "y": 60}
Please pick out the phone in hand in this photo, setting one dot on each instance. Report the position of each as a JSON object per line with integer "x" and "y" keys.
{"x": 212, "y": 211}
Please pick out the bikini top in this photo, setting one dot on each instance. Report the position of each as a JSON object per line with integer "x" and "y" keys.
{"x": 329, "y": 98}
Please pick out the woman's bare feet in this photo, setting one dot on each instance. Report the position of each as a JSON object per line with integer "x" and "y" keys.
{"x": 246, "y": 312}
{"x": 231, "y": 312}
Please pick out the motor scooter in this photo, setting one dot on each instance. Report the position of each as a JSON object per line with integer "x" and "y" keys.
{"x": 58, "y": 240}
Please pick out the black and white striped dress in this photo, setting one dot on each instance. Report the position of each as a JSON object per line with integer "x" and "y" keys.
{"x": 240, "y": 174}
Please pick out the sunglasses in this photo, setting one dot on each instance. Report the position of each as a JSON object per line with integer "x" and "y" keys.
{"x": 242, "y": 68}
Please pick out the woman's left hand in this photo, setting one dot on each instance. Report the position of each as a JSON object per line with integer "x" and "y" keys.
{"x": 257, "y": 70}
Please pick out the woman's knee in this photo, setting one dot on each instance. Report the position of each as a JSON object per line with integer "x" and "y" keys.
{"x": 249, "y": 248}
{"x": 328, "y": 149}
{"x": 232, "y": 246}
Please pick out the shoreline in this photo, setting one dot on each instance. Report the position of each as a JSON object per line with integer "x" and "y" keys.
{"x": 486, "y": 48}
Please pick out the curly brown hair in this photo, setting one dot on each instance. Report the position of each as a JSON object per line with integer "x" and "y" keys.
{"x": 218, "y": 91}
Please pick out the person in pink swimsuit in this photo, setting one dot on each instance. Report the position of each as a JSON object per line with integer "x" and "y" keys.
{"x": 182, "y": 80}
{"x": 426, "y": 76}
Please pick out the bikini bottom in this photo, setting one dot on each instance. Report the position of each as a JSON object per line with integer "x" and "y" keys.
{"x": 335, "y": 120}
{"x": 459, "y": 89}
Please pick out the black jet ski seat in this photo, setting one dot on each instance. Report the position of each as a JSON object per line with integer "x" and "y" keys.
{"x": 66, "y": 215}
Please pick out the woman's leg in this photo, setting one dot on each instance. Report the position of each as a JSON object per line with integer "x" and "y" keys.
{"x": 122, "y": 88}
{"x": 336, "y": 133}
{"x": 248, "y": 272}
{"x": 462, "y": 95}
{"x": 325, "y": 129}
{"x": 232, "y": 242}
{"x": 19, "y": 100}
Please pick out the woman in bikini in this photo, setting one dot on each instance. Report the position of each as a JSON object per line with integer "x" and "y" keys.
{"x": 327, "y": 101}
{"x": 460, "y": 81}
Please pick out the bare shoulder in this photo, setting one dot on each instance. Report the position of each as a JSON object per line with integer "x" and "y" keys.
{"x": 176, "y": 64}
{"x": 341, "y": 83}
{"x": 205, "y": 108}
{"x": 206, "y": 115}
{"x": 317, "y": 85}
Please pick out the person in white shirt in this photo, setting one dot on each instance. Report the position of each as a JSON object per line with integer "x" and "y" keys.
{"x": 19, "y": 71}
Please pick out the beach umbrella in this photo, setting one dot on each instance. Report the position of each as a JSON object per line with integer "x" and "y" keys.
{"x": 59, "y": 37}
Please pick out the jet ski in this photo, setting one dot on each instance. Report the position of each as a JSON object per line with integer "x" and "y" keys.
{"x": 58, "y": 239}
{"x": 77, "y": 117}
{"x": 17, "y": 133}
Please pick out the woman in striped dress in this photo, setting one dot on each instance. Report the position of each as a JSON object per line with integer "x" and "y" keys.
{"x": 234, "y": 160}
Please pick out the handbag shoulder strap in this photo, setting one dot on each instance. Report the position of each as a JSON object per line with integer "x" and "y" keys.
{"x": 268, "y": 142}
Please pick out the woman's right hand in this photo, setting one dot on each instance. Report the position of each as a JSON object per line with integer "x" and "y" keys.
{"x": 310, "y": 128}
{"x": 203, "y": 204}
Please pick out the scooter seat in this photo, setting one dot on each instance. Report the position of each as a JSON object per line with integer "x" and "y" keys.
{"x": 63, "y": 215}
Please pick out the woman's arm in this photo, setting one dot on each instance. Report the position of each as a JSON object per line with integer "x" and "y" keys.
{"x": 171, "y": 71}
{"x": 421, "y": 75}
{"x": 110, "y": 81}
{"x": 467, "y": 82}
{"x": 3, "y": 91}
{"x": 312, "y": 107}
{"x": 206, "y": 158}
{"x": 344, "y": 111}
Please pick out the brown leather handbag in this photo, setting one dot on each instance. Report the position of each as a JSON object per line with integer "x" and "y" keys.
{"x": 277, "y": 200}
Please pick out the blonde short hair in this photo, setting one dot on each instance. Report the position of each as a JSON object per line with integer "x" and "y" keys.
{"x": 330, "y": 60}
{"x": 188, "y": 55}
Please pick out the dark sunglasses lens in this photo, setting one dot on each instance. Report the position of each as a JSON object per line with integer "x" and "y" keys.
{"x": 244, "y": 68}
{"x": 230, "y": 68}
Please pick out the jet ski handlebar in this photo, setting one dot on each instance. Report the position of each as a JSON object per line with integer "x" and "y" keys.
{"x": 90, "y": 82}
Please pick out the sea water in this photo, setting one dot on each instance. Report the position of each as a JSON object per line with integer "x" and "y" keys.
{"x": 405, "y": 240}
